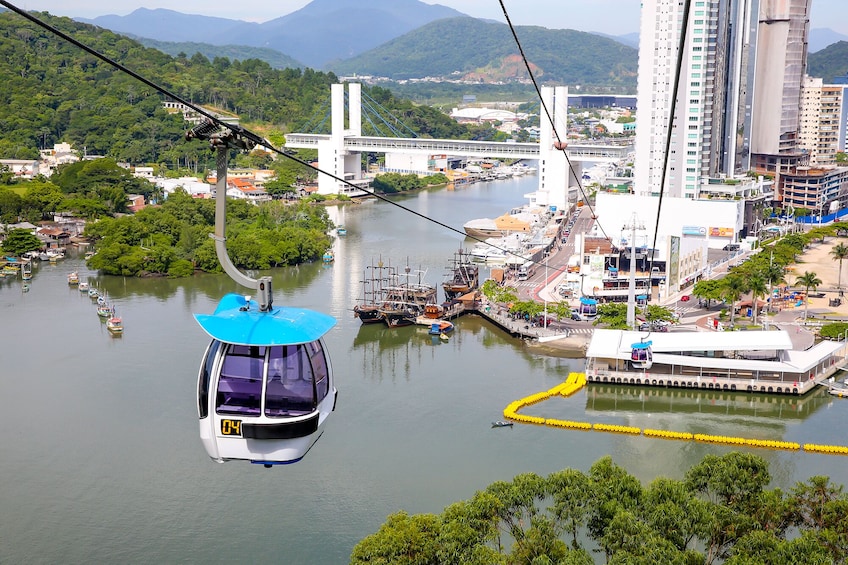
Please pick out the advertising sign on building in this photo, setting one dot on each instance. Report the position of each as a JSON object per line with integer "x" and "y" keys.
{"x": 694, "y": 230}
{"x": 673, "y": 267}
{"x": 721, "y": 232}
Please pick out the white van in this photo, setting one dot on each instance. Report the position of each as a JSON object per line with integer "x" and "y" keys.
{"x": 525, "y": 270}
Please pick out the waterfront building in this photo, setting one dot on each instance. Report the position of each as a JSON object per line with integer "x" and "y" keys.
{"x": 752, "y": 361}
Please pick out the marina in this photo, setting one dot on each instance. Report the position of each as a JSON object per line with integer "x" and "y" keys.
{"x": 409, "y": 410}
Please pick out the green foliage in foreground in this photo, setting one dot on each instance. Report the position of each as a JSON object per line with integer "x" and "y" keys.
{"x": 720, "y": 512}
{"x": 174, "y": 240}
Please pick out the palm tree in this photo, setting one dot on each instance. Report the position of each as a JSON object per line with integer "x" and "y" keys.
{"x": 733, "y": 286}
{"x": 758, "y": 288}
{"x": 773, "y": 274}
{"x": 808, "y": 280}
{"x": 839, "y": 252}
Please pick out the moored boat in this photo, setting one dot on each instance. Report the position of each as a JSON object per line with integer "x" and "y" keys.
{"x": 463, "y": 276}
{"x": 405, "y": 301}
{"x": 115, "y": 325}
{"x": 105, "y": 310}
{"x": 83, "y": 286}
{"x": 373, "y": 293}
{"x": 73, "y": 278}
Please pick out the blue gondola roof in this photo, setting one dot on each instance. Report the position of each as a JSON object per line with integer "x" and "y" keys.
{"x": 642, "y": 345}
{"x": 584, "y": 300}
{"x": 280, "y": 326}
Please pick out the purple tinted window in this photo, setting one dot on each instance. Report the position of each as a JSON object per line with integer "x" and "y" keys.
{"x": 240, "y": 385}
{"x": 289, "y": 391}
{"x": 205, "y": 378}
{"x": 319, "y": 368}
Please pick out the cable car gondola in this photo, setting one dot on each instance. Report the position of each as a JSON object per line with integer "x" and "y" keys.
{"x": 265, "y": 385}
{"x": 641, "y": 356}
{"x": 588, "y": 308}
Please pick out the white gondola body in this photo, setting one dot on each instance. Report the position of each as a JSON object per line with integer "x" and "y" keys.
{"x": 641, "y": 355}
{"x": 265, "y": 385}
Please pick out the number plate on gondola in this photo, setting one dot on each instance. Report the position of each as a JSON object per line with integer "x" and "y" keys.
{"x": 231, "y": 428}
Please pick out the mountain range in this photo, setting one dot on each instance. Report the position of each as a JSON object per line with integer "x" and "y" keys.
{"x": 321, "y": 31}
{"x": 401, "y": 39}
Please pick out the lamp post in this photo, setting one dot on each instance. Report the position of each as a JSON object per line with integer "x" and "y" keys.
{"x": 545, "y": 325}
{"x": 631, "y": 286}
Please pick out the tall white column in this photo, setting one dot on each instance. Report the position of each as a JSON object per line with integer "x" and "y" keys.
{"x": 354, "y": 91}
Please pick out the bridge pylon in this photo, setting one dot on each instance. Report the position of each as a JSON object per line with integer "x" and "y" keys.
{"x": 333, "y": 157}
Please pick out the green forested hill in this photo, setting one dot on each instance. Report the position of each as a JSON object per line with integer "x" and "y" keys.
{"x": 233, "y": 52}
{"x": 479, "y": 50}
{"x": 830, "y": 62}
{"x": 53, "y": 91}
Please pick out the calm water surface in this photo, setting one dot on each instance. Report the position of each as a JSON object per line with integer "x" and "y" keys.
{"x": 101, "y": 461}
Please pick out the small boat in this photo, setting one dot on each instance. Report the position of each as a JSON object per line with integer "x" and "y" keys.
{"x": 26, "y": 272}
{"x": 440, "y": 327}
{"x": 443, "y": 336}
{"x": 83, "y": 286}
{"x": 106, "y": 311}
{"x": 502, "y": 424}
{"x": 115, "y": 325}
{"x": 25, "y": 287}
{"x": 92, "y": 293}
{"x": 341, "y": 230}
{"x": 329, "y": 257}
{"x": 73, "y": 278}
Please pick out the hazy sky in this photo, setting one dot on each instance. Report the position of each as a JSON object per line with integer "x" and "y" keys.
{"x": 615, "y": 17}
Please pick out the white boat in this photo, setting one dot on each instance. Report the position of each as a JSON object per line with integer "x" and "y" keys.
{"x": 83, "y": 286}
{"x": 73, "y": 278}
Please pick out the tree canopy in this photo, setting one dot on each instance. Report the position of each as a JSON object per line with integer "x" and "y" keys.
{"x": 720, "y": 512}
{"x": 174, "y": 239}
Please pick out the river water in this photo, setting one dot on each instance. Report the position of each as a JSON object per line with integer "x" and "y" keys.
{"x": 101, "y": 460}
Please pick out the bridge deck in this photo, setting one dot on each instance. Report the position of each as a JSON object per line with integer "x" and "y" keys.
{"x": 577, "y": 152}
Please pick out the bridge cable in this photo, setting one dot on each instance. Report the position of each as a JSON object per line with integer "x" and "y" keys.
{"x": 551, "y": 120}
{"x": 370, "y": 111}
{"x": 386, "y": 110}
{"x": 235, "y": 129}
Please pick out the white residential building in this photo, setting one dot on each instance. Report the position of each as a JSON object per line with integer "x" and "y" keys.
{"x": 821, "y": 108}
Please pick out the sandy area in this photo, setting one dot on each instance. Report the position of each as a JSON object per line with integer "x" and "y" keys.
{"x": 817, "y": 259}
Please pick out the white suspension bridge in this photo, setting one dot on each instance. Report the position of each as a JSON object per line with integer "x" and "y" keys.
{"x": 339, "y": 153}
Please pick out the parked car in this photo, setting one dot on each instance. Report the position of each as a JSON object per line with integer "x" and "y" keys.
{"x": 685, "y": 298}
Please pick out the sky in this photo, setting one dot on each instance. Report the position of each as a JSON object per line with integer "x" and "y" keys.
{"x": 613, "y": 17}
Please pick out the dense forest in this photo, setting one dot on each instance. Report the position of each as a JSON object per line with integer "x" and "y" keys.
{"x": 465, "y": 47}
{"x": 55, "y": 92}
{"x": 720, "y": 512}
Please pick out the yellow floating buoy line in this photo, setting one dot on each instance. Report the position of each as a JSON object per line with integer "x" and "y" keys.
{"x": 576, "y": 381}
